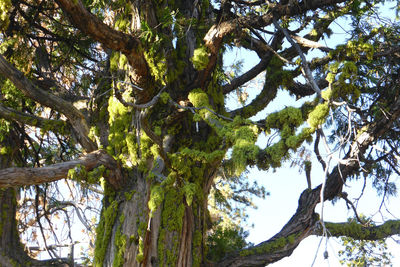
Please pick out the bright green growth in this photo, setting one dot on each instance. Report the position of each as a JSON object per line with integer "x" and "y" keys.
{"x": 190, "y": 190}
{"x": 200, "y": 58}
{"x": 120, "y": 244}
{"x": 244, "y": 148}
{"x": 318, "y": 116}
{"x": 198, "y": 98}
{"x": 287, "y": 119}
{"x": 270, "y": 246}
{"x": 156, "y": 198}
{"x": 95, "y": 175}
{"x": 104, "y": 232}
{"x": 78, "y": 173}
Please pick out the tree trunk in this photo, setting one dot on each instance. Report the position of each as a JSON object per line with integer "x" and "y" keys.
{"x": 130, "y": 234}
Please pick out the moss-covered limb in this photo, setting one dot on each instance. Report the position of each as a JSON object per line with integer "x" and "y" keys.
{"x": 359, "y": 232}
{"x": 56, "y": 126}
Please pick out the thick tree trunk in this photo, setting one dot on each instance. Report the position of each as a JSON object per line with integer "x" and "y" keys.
{"x": 129, "y": 234}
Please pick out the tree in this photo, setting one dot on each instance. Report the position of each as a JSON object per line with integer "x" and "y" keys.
{"x": 128, "y": 100}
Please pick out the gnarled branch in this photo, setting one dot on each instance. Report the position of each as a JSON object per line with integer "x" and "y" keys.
{"x": 129, "y": 45}
{"x": 15, "y": 176}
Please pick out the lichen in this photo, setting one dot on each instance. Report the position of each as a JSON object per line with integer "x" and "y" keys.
{"x": 318, "y": 116}
{"x": 120, "y": 241}
{"x": 104, "y": 232}
{"x": 270, "y": 246}
{"x": 200, "y": 58}
{"x": 156, "y": 198}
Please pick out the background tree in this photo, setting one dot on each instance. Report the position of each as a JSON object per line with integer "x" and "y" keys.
{"x": 127, "y": 99}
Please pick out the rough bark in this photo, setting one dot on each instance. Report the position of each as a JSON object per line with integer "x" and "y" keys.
{"x": 21, "y": 176}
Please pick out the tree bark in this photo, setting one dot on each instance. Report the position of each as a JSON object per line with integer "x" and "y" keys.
{"x": 129, "y": 234}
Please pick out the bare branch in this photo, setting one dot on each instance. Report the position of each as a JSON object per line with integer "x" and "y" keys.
{"x": 309, "y": 43}
{"x": 306, "y": 68}
{"x": 15, "y": 176}
{"x": 152, "y": 102}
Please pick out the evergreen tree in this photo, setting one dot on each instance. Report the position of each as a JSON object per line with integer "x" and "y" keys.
{"x": 126, "y": 101}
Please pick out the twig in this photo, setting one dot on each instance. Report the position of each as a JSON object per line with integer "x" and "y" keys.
{"x": 316, "y": 149}
{"x": 344, "y": 196}
{"x": 306, "y": 68}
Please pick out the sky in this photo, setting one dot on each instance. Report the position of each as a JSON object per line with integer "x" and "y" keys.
{"x": 286, "y": 184}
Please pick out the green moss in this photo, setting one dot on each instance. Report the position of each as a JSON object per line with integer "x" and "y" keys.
{"x": 78, "y": 173}
{"x": 191, "y": 190}
{"x": 95, "y": 175}
{"x": 5, "y": 150}
{"x": 161, "y": 247}
{"x": 318, "y": 116}
{"x": 120, "y": 244}
{"x": 156, "y": 198}
{"x": 270, "y": 246}
{"x": 104, "y": 232}
{"x": 196, "y": 251}
{"x": 200, "y": 58}
{"x": 5, "y": 7}
{"x": 141, "y": 234}
{"x": 165, "y": 97}
{"x": 172, "y": 221}
{"x": 129, "y": 195}
{"x": 199, "y": 98}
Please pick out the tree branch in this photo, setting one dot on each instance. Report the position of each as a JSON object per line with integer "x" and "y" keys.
{"x": 306, "y": 68}
{"x": 113, "y": 39}
{"x": 28, "y": 119}
{"x": 360, "y": 232}
{"x": 15, "y": 176}
{"x": 29, "y": 89}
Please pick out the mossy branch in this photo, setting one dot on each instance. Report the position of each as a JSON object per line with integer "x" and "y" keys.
{"x": 359, "y": 232}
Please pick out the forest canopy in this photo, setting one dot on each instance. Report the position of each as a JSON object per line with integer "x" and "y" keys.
{"x": 119, "y": 145}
